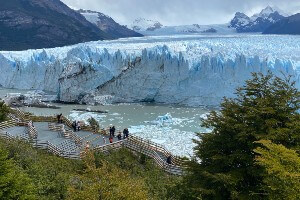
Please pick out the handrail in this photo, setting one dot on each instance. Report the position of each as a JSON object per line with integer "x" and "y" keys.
{"x": 136, "y": 143}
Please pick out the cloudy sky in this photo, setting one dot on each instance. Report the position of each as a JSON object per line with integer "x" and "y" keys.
{"x": 180, "y": 12}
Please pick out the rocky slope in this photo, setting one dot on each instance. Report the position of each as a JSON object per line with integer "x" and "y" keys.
{"x": 108, "y": 25}
{"x": 289, "y": 25}
{"x": 258, "y": 22}
{"x": 32, "y": 24}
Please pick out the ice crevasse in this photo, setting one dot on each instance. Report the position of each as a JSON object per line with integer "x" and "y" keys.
{"x": 184, "y": 70}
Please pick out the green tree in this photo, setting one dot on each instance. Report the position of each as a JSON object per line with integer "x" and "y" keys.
{"x": 14, "y": 183}
{"x": 106, "y": 182}
{"x": 224, "y": 164}
{"x": 281, "y": 176}
{"x": 93, "y": 123}
{"x": 4, "y": 110}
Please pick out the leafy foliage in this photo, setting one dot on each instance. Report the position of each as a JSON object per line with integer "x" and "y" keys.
{"x": 282, "y": 170}
{"x": 93, "y": 122}
{"x": 50, "y": 174}
{"x": 106, "y": 182}
{"x": 58, "y": 178}
{"x": 160, "y": 185}
{"x": 4, "y": 110}
{"x": 14, "y": 182}
{"x": 224, "y": 164}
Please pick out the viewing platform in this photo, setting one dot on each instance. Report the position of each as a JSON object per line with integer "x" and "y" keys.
{"x": 61, "y": 140}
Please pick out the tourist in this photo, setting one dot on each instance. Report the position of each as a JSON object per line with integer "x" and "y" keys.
{"x": 119, "y": 136}
{"x": 110, "y": 131}
{"x": 78, "y": 126}
{"x": 58, "y": 118}
{"x": 87, "y": 145}
{"x": 113, "y": 129}
{"x": 74, "y": 125}
{"x": 111, "y": 140}
{"x": 169, "y": 160}
{"x": 104, "y": 140}
{"x": 125, "y": 133}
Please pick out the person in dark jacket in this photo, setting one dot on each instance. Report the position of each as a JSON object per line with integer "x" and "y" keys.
{"x": 125, "y": 133}
{"x": 74, "y": 125}
{"x": 110, "y": 131}
{"x": 113, "y": 129}
{"x": 169, "y": 160}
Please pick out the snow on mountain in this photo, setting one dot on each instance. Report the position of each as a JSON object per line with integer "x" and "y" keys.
{"x": 189, "y": 29}
{"x": 185, "y": 70}
{"x": 258, "y": 22}
{"x": 106, "y": 24}
{"x": 266, "y": 12}
{"x": 142, "y": 24}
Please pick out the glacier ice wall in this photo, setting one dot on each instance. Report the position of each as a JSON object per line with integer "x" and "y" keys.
{"x": 186, "y": 70}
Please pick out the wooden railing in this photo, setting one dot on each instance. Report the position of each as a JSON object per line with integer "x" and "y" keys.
{"x": 162, "y": 163}
{"x": 134, "y": 143}
{"x": 156, "y": 147}
{"x": 6, "y": 135}
{"x": 110, "y": 146}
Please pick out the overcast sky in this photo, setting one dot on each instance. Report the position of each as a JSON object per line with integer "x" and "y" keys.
{"x": 180, "y": 12}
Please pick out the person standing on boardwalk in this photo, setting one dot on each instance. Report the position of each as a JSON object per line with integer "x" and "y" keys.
{"x": 125, "y": 133}
{"x": 59, "y": 118}
{"x": 169, "y": 160}
{"x": 87, "y": 146}
{"x": 110, "y": 131}
{"x": 113, "y": 130}
{"x": 78, "y": 126}
{"x": 111, "y": 140}
{"x": 74, "y": 125}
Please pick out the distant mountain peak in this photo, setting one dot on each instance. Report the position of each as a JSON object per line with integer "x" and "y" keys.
{"x": 106, "y": 24}
{"x": 266, "y": 12}
{"x": 258, "y": 22}
{"x": 142, "y": 24}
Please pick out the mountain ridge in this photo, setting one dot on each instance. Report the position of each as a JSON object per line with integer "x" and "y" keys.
{"x": 258, "y": 22}
{"x": 289, "y": 25}
{"x": 108, "y": 25}
{"x": 34, "y": 24}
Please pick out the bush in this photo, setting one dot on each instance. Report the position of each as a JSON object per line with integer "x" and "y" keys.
{"x": 94, "y": 123}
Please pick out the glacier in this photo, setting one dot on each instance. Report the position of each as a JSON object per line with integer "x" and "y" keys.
{"x": 191, "y": 70}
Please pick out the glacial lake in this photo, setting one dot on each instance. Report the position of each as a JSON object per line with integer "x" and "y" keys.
{"x": 172, "y": 126}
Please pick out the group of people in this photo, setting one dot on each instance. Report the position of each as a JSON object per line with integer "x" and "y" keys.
{"x": 112, "y": 131}
{"x": 76, "y": 125}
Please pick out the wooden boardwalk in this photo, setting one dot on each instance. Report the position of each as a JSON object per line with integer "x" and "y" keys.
{"x": 59, "y": 139}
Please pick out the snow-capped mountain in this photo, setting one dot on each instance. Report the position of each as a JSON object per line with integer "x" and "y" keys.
{"x": 142, "y": 24}
{"x": 108, "y": 25}
{"x": 258, "y": 22}
{"x": 183, "y": 29}
{"x": 185, "y": 70}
